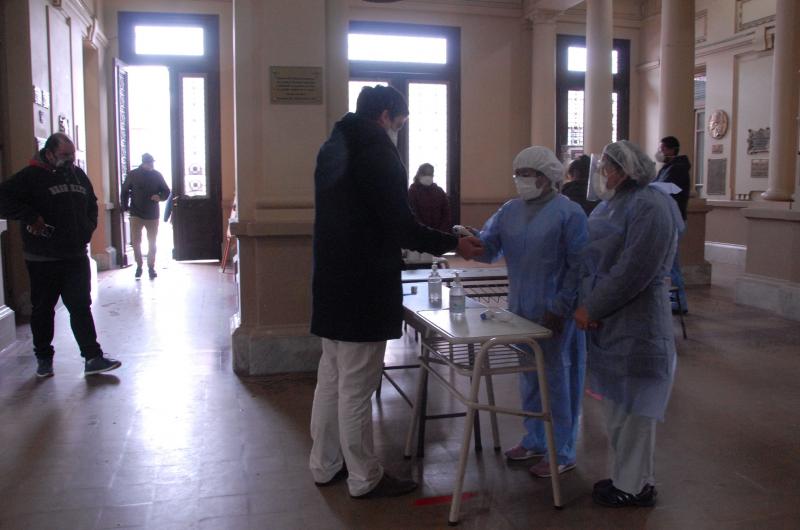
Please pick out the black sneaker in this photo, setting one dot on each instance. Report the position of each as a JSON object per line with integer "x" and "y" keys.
{"x": 152, "y": 273}
{"x": 138, "y": 273}
{"x": 338, "y": 477}
{"x": 45, "y": 367}
{"x": 606, "y": 494}
{"x": 100, "y": 364}
{"x": 389, "y": 487}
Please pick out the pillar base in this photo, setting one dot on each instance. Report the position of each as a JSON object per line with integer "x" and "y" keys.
{"x": 106, "y": 260}
{"x": 696, "y": 273}
{"x": 8, "y": 327}
{"x": 779, "y": 296}
{"x": 266, "y": 350}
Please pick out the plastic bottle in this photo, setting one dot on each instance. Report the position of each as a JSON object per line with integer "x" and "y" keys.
{"x": 434, "y": 285}
{"x": 458, "y": 297}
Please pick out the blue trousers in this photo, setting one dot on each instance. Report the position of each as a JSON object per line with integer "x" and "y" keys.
{"x": 566, "y": 391}
{"x": 676, "y": 277}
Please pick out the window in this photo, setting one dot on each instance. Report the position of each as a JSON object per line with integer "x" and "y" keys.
{"x": 168, "y": 40}
{"x": 699, "y": 128}
{"x": 396, "y": 48}
{"x": 570, "y": 81}
{"x": 422, "y": 63}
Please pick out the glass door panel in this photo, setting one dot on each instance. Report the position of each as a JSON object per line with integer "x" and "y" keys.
{"x": 194, "y": 136}
{"x": 427, "y": 129}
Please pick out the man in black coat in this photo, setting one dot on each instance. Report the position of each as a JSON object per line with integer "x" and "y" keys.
{"x": 676, "y": 171}
{"x": 55, "y": 202}
{"x": 362, "y": 222}
{"x": 141, "y": 192}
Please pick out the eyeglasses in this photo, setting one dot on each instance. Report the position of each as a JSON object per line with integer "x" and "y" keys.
{"x": 526, "y": 173}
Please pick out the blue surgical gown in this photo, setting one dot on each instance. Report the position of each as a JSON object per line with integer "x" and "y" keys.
{"x": 632, "y": 244}
{"x": 542, "y": 241}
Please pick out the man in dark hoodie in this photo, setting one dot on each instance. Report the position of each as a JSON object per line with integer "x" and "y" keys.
{"x": 676, "y": 171}
{"x": 142, "y": 190}
{"x": 56, "y": 205}
{"x": 362, "y": 222}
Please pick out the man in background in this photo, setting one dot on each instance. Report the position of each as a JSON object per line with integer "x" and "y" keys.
{"x": 143, "y": 189}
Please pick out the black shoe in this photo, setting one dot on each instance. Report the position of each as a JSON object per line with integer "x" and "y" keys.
{"x": 138, "y": 273}
{"x": 609, "y": 495}
{"x": 338, "y": 477}
{"x": 389, "y": 487}
{"x": 152, "y": 273}
{"x": 45, "y": 367}
{"x": 100, "y": 364}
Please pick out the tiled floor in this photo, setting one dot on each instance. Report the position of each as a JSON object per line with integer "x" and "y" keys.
{"x": 174, "y": 440}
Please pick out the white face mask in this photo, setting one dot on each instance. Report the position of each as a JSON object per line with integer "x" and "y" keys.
{"x": 600, "y": 185}
{"x": 426, "y": 180}
{"x": 527, "y": 188}
{"x": 660, "y": 158}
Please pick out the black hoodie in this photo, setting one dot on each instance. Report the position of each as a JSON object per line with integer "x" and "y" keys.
{"x": 676, "y": 171}
{"x": 63, "y": 197}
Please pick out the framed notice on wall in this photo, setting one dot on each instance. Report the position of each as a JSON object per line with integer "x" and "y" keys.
{"x": 716, "y": 176}
{"x": 298, "y": 85}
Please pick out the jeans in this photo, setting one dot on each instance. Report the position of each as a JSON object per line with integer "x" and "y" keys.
{"x": 71, "y": 280}
{"x": 151, "y": 225}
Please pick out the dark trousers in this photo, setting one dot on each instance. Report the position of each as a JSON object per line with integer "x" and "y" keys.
{"x": 71, "y": 280}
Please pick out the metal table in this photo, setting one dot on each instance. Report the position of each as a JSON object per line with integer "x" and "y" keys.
{"x": 478, "y": 349}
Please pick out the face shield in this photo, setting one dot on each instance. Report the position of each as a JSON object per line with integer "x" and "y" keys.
{"x": 597, "y": 180}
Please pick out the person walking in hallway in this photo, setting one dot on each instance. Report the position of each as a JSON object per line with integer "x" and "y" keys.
{"x": 55, "y": 202}
{"x": 676, "y": 171}
{"x": 362, "y": 223}
{"x": 143, "y": 189}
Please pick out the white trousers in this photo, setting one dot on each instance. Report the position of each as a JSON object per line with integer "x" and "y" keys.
{"x": 341, "y": 418}
{"x": 633, "y": 447}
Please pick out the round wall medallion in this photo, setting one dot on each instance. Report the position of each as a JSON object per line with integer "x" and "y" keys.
{"x": 718, "y": 124}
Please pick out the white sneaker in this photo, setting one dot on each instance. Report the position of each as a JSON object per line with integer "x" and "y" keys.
{"x": 542, "y": 468}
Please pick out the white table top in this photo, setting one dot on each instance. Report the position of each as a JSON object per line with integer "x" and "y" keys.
{"x": 472, "y": 328}
{"x": 470, "y": 274}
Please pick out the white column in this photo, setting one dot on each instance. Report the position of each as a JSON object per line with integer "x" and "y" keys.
{"x": 676, "y": 89}
{"x": 543, "y": 79}
{"x": 337, "y": 68}
{"x": 597, "y": 98}
{"x": 8, "y": 329}
{"x": 785, "y": 87}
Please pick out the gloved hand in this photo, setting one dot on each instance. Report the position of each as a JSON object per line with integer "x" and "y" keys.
{"x": 553, "y": 322}
{"x": 469, "y": 247}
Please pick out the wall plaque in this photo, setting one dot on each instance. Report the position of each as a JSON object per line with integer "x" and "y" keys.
{"x": 757, "y": 141}
{"x": 718, "y": 124}
{"x": 301, "y": 85}
{"x": 716, "y": 176}
{"x": 759, "y": 168}
{"x": 716, "y": 149}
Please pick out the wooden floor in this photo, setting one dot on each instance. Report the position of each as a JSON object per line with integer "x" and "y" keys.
{"x": 175, "y": 440}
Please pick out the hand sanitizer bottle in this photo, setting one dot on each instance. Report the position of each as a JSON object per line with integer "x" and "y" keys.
{"x": 458, "y": 300}
{"x": 434, "y": 285}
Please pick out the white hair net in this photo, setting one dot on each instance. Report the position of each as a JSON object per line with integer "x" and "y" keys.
{"x": 633, "y": 161}
{"x": 541, "y": 159}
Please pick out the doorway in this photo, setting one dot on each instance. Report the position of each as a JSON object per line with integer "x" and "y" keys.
{"x": 150, "y": 132}
{"x": 169, "y": 63}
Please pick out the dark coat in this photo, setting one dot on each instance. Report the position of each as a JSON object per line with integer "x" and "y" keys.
{"x": 430, "y": 206}
{"x": 362, "y": 222}
{"x": 575, "y": 191}
{"x": 676, "y": 171}
{"x": 139, "y": 186}
{"x": 63, "y": 197}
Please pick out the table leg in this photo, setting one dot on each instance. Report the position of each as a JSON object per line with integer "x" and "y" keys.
{"x": 548, "y": 425}
{"x": 419, "y": 408}
{"x": 492, "y": 414}
{"x": 477, "y": 417}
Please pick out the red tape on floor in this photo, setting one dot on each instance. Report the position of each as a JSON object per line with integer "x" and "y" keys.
{"x": 443, "y": 499}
